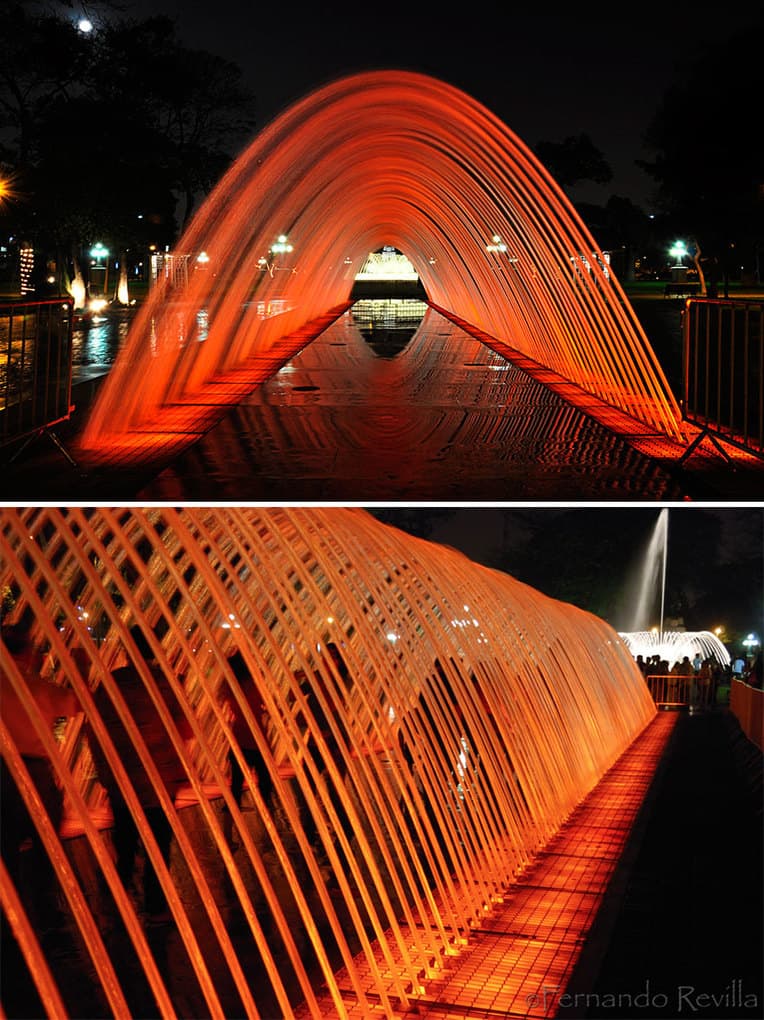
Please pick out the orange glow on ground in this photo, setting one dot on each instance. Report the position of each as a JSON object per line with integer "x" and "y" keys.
{"x": 517, "y": 960}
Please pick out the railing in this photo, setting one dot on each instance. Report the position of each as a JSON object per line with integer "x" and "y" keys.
{"x": 675, "y": 691}
{"x": 35, "y": 366}
{"x": 724, "y": 371}
{"x": 747, "y": 705}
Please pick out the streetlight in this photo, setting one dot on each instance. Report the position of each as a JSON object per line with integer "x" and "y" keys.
{"x": 750, "y": 642}
{"x": 678, "y": 250}
{"x": 678, "y": 271}
{"x": 496, "y": 244}
{"x": 282, "y": 245}
{"x": 100, "y": 256}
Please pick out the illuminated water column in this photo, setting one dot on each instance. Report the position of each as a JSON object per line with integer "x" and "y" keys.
{"x": 379, "y": 159}
{"x": 471, "y": 713}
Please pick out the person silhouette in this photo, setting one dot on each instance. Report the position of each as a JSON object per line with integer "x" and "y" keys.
{"x": 245, "y": 739}
{"x": 317, "y": 690}
{"x": 55, "y": 703}
{"x": 172, "y": 773}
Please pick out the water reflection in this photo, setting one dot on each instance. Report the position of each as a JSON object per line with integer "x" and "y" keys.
{"x": 96, "y": 339}
{"x": 388, "y": 324}
{"x": 447, "y": 416}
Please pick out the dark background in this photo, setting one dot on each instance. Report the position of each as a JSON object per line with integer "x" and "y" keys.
{"x": 592, "y": 557}
{"x": 548, "y": 72}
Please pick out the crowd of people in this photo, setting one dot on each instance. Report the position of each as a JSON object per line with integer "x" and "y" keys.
{"x": 708, "y": 674}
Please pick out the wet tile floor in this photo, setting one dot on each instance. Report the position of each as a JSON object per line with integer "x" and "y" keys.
{"x": 680, "y": 904}
{"x": 370, "y": 411}
{"x": 445, "y": 418}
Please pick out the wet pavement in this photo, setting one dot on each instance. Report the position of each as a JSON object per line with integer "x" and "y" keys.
{"x": 682, "y": 932}
{"x": 380, "y": 408}
{"x": 680, "y": 918}
{"x": 442, "y": 417}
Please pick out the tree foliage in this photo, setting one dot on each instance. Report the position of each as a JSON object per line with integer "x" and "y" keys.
{"x": 709, "y": 161}
{"x": 574, "y": 159}
{"x": 108, "y": 135}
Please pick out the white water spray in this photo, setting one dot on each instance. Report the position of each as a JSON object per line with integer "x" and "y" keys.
{"x": 654, "y": 569}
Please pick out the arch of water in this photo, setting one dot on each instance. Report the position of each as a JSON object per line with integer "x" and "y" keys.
{"x": 385, "y": 158}
{"x": 513, "y": 706}
{"x": 673, "y": 645}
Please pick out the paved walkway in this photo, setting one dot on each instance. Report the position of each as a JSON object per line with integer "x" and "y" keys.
{"x": 358, "y": 418}
{"x": 647, "y": 903}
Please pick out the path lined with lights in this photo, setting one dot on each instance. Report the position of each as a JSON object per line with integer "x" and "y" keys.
{"x": 517, "y": 960}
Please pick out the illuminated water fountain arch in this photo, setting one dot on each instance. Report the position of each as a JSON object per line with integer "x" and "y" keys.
{"x": 673, "y": 645}
{"x": 377, "y": 159}
{"x": 650, "y": 589}
{"x": 512, "y": 706}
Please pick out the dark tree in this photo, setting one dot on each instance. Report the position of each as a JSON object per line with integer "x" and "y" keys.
{"x": 193, "y": 102}
{"x": 108, "y": 136}
{"x": 414, "y": 522}
{"x": 574, "y": 159}
{"x": 709, "y": 159}
{"x": 580, "y": 556}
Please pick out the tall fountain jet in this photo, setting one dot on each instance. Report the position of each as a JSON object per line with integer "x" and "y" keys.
{"x": 429, "y": 725}
{"x": 648, "y": 640}
{"x": 652, "y": 578}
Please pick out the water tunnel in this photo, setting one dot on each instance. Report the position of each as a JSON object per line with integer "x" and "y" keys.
{"x": 378, "y": 161}
{"x": 421, "y": 726}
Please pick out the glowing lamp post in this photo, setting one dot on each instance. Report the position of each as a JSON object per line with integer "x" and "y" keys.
{"x": 281, "y": 246}
{"x": 99, "y": 256}
{"x": 750, "y": 643}
{"x": 678, "y": 271}
{"x": 496, "y": 245}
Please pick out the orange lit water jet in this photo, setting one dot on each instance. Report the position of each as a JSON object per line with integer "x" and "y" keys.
{"x": 512, "y": 707}
{"x": 384, "y": 158}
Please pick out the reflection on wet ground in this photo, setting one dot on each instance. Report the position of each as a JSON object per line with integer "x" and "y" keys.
{"x": 388, "y": 325}
{"x": 445, "y": 418}
{"x": 97, "y": 339}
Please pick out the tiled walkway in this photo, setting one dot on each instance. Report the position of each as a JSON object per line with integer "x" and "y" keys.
{"x": 445, "y": 418}
{"x": 519, "y": 961}
{"x": 654, "y": 880}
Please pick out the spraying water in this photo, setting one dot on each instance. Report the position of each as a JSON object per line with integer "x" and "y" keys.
{"x": 673, "y": 645}
{"x": 652, "y": 578}
{"x": 472, "y": 714}
{"x": 382, "y": 159}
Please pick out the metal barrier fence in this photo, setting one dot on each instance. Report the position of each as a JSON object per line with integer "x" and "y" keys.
{"x": 673, "y": 691}
{"x": 35, "y": 366}
{"x": 724, "y": 371}
{"x": 747, "y": 705}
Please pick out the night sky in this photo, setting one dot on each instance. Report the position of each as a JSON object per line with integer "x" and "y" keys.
{"x": 548, "y": 73}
